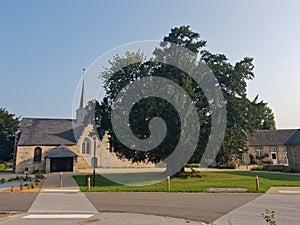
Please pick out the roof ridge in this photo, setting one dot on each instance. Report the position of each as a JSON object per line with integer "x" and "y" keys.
{"x": 46, "y": 118}
{"x": 269, "y": 130}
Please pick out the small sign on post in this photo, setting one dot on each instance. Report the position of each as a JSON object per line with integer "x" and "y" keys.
{"x": 26, "y": 171}
{"x": 169, "y": 183}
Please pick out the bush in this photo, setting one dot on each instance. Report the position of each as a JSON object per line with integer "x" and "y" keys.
{"x": 2, "y": 180}
{"x": 160, "y": 165}
{"x": 9, "y": 165}
{"x": 21, "y": 186}
{"x": 192, "y": 165}
{"x": 257, "y": 168}
{"x": 2, "y": 167}
{"x": 291, "y": 169}
{"x": 275, "y": 168}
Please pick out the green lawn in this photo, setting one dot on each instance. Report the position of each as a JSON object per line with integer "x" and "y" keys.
{"x": 242, "y": 179}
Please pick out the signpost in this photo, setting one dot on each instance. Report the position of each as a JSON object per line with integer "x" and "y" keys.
{"x": 26, "y": 171}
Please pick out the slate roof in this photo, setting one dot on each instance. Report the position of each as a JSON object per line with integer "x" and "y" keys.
{"x": 60, "y": 152}
{"x": 295, "y": 139}
{"x": 270, "y": 137}
{"x": 45, "y": 131}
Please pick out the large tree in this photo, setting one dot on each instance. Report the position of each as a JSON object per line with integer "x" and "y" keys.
{"x": 243, "y": 115}
{"x": 8, "y": 126}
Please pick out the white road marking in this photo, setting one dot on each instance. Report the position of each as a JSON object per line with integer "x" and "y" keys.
{"x": 289, "y": 191}
{"x": 58, "y": 216}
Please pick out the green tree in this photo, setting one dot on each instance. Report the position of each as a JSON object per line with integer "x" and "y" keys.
{"x": 243, "y": 115}
{"x": 8, "y": 126}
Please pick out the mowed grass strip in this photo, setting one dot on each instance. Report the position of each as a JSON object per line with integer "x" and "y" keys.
{"x": 219, "y": 179}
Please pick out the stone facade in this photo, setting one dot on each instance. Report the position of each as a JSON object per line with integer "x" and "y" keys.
{"x": 25, "y": 155}
{"x": 104, "y": 157}
{"x": 269, "y": 146}
{"x": 265, "y": 153}
{"x": 294, "y": 156}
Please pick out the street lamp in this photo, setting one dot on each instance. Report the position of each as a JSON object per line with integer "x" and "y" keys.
{"x": 94, "y": 163}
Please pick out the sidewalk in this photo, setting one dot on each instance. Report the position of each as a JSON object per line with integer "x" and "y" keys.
{"x": 65, "y": 199}
{"x": 52, "y": 181}
{"x": 286, "y": 207}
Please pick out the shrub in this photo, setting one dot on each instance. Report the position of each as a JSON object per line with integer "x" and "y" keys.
{"x": 21, "y": 186}
{"x": 291, "y": 169}
{"x": 2, "y": 167}
{"x": 2, "y": 180}
{"x": 278, "y": 168}
{"x": 9, "y": 165}
{"x": 193, "y": 165}
{"x": 257, "y": 168}
{"x": 269, "y": 217}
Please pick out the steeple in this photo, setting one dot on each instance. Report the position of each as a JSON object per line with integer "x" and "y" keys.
{"x": 82, "y": 103}
{"x": 81, "y": 112}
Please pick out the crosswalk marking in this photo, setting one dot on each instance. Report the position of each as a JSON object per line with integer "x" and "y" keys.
{"x": 58, "y": 216}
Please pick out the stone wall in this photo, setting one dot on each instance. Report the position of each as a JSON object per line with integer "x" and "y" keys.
{"x": 266, "y": 150}
{"x": 25, "y": 156}
{"x": 293, "y": 153}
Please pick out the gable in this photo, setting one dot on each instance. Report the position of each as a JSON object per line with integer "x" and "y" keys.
{"x": 295, "y": 139}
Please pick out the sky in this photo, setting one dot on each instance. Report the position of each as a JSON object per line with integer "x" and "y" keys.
{"x": 44, "y": 45}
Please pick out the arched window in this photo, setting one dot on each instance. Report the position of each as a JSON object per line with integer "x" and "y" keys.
{"x": 37, "y": 154}
{"x": 86, "y": 146}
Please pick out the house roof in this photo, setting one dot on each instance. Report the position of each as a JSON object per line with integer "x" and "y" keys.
{"x": 45, "y": 131}
{"x": 270, "y": 137}
{"x": 60, "y": 152}
{"x": 295, "y": 139}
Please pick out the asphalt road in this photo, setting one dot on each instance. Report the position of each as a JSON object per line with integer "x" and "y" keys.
{"x": 16, "y": 202}
{"x": 204, "y": 207}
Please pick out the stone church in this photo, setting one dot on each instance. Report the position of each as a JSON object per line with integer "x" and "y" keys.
{"x": 54, "y": 145}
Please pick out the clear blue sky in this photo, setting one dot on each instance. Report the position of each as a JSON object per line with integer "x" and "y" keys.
{"x": 45, "y": 44}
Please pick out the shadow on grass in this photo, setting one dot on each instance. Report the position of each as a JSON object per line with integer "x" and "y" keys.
{"x": 121, "y": 179}
{"x": 265, "y": 175}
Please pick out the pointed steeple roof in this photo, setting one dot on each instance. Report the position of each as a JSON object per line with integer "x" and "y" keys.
{"x": 82, "y": 103}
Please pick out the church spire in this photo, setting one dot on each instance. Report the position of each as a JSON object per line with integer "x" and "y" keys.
{"x": 81, "y": 112}
{"x": 82, "y": 103}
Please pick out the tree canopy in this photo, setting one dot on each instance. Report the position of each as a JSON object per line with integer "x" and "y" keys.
{"x": 243, "y": 115}
{"x": 8, "y": 126}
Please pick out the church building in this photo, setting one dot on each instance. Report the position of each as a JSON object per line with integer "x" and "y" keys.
{"x": 54, "y": 145}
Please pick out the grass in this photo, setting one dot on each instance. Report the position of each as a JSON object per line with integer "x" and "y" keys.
{"x": 224, "y": 179}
